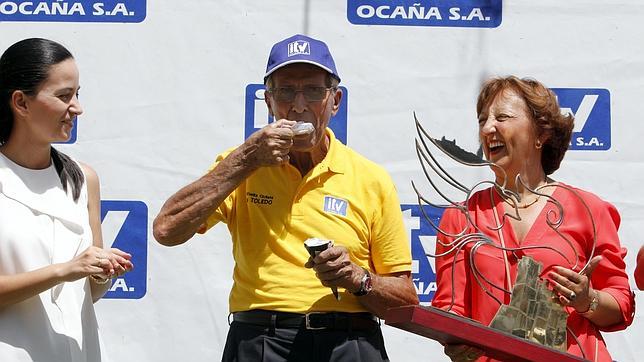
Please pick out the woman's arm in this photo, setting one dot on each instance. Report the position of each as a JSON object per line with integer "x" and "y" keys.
{"x": 114, "y": 261}
{"x": 604, "y": 283}
{"x": 94, "y": 211}
{"x": 18, "y": 287}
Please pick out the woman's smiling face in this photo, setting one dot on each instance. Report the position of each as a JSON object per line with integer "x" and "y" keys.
{"x": 508, "y": 134}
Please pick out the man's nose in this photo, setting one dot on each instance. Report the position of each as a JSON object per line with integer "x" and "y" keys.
{"x": 299, "y": 102}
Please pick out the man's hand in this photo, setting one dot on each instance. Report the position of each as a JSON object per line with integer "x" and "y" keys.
{"x": 334, "y": 268}
{"x": 270, "y": 145}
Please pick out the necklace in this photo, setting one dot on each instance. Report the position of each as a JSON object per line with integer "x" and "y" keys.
{"x": 524, "y": 206}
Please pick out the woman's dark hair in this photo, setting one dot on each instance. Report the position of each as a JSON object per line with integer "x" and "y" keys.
{"x": 546, "y": 115}
{"x": 24, "y": 66}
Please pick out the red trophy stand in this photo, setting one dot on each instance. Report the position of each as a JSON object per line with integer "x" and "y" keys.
{"x": 448, "y": 328}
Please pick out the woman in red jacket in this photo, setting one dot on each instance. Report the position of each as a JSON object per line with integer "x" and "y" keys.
{"x": 524, "y": 135}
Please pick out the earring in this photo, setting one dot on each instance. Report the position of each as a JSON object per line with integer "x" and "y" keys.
{"x": 538, "y": 144}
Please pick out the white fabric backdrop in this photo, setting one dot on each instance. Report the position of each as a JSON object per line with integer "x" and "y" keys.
{"x": 163, "y": 96}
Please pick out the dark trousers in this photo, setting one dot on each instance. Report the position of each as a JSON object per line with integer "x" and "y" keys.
{"x": 253, "y": 342}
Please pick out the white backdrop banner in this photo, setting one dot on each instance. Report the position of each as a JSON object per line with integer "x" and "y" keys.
{"x": 167, "y": 85}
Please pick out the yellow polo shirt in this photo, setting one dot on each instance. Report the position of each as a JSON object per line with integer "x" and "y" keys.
{"x": 345, "y": 198}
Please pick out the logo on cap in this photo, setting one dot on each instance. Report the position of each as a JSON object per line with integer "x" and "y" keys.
{"x": 299, "y": 47}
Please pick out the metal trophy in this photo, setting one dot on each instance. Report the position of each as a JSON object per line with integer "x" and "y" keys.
{"x": 532, "y": 315}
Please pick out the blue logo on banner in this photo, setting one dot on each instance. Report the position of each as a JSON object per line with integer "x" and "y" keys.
{"x": 423, "y": 241}
{"x": 72, "y": 137}
{"x": 257, "y": 113}
{"x": 70, "y": 11}
{"x": 453, "y": 13}
{"x": 335, "y": 205}
{"x": 126, "y": 224}
{"x": 591, "y": 108}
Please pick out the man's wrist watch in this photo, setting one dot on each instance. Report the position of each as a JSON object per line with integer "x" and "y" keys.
{"x": 365, "y": 284}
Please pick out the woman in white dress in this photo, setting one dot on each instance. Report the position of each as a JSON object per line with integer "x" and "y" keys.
{"x": 53, "y": 266}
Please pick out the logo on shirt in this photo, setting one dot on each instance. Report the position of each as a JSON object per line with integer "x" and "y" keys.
{"x": 259, "y": 199}
{"x": 125, "y": 226}
{"x": 452, "y": 13}
{"x": 256, "y": 113}
{"x": 335, "y": 205}
{"x": 423, "y": 241}
{"x": 591, "y": 109}
{"x": 69, "y": 11}
{"x": 299, "y": 47}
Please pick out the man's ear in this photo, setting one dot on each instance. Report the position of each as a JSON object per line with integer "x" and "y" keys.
{"x": 18, "y": 103}
{"x": 337, "y": 99}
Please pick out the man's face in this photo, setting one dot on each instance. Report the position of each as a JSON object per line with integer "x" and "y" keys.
{"x": 299, "y": 92}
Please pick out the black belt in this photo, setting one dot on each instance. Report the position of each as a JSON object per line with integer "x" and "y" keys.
{"x": 313, "y": 320}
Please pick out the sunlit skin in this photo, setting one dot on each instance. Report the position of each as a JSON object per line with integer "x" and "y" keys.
{"x": 508, "y": 137}
{"x": 313, "y": 146}
{"x": 45, "y": 117}
{"x": 54, "y": 107}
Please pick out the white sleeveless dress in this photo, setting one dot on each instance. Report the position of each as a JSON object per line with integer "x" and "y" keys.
{"x": 41, "y": 225}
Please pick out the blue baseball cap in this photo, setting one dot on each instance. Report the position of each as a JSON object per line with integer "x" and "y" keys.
{"x": 300, "y": 49}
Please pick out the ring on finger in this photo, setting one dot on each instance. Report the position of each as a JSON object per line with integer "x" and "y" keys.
{"x": 572, "y": 296}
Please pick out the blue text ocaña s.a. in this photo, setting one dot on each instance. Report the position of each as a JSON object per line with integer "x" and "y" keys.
{"x": 122, "y": 11}
{"x": 449, "y": 13}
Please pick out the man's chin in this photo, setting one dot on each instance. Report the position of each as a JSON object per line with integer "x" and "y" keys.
{"x": 302, "y": 148}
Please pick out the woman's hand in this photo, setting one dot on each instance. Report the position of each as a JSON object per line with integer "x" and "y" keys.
{"x": 574, "y": 288}
{"x": 118, "y": 262}
{"x": 462, "y": 352}
{"x": 106, "y": 263}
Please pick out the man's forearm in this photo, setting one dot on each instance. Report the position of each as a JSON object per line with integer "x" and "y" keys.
{"x": 388, "y": 292}
{"x": 183, "y": 214}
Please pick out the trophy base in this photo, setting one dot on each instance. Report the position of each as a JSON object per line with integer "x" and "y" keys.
{"x": 449, "y": 328}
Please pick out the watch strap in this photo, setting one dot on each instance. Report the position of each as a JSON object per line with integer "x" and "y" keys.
{"x": 365, "y": 284}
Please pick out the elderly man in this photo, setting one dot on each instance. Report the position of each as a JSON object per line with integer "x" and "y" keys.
{"x": 288, "y": 182}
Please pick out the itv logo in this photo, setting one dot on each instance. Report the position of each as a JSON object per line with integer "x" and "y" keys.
{"x": 125, "y": 226}
{"x": 591, "y": 109}
{"x": 335, "y": 205}
{"x": 423, "y": 241}
{"x": 256, "y": 113}
{"x": 299, "y": 47}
